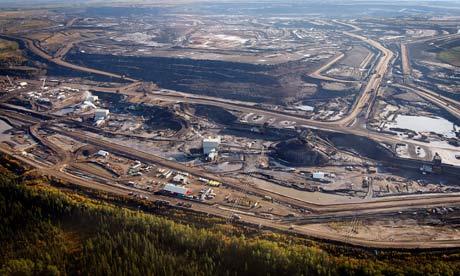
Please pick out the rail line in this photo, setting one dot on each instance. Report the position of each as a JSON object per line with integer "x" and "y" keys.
{"x": 320, "y": 213}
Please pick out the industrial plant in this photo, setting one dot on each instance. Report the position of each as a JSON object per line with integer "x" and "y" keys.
{"x": 302, "y": 121}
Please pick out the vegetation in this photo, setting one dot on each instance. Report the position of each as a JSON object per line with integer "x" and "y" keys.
{"x": 451, "y": 56}
{"x": 10, "y": 53}
{"x": 45, "y": 230}
{"x": 35, "y": 24}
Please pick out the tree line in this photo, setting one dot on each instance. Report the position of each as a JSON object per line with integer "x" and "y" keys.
{"x": 48, "y": 231}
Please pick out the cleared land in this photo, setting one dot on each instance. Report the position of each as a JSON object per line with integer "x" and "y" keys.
{"x": 451, "y": 56}
{"x": 10, "y": 53}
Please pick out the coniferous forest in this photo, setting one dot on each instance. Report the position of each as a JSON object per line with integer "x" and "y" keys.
{"x": 51, "y": 228}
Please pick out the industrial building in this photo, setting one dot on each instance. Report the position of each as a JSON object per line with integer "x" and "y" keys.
{"x": 211, "y": 146}
{"x": 100, "y": 116}
{"x": 92, "y": 98}
{"x": 180, "y": 179}
{"x": 103, "y": 153}
{"x": 212, "y": 155}
{"x": 86, "y": 105}
{"x": 318, "y": 175}
{"x": 176, "y": 190}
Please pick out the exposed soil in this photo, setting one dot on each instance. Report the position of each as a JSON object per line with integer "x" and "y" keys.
{"x": 277, "y": 84}
{"x": 45, "y": 67}
{"x": 298, "y": 152}
{"x": 155, "y": 117}
{"x": 215, "y": 114}
{"x": 361, "y": 145}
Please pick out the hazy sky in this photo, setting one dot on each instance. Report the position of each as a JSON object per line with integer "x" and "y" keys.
{"x": 32, "y": 3}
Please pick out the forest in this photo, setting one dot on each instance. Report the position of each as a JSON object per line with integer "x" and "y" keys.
{"x": 52, "y": 228}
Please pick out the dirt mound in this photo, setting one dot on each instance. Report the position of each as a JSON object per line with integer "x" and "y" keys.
{"x": 362, "y": 146}
{"x": 156, "y": 117}
{"x": 214, "y": 113}
{"x": 298, "y": 152}
{"x": 160, "y": 117}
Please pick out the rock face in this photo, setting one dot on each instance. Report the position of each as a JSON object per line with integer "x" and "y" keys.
{"x": 299, "y": 152}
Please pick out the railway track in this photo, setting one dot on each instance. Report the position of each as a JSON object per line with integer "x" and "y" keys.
{"x": 401, "y": 202}
{"x": 245, "y": 218}
{"x": 321, "y": 213}
{"x": 408, "y": 202}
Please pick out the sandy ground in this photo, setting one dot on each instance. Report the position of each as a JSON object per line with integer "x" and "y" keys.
{"x": 389, "y": 230}
{"x": 314, "y": 197}
{"x": 3, "y": 128}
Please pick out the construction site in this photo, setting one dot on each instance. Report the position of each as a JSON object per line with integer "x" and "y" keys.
{"x": 335, "y": 128}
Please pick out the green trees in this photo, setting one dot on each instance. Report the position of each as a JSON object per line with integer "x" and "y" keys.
{"x": 44, "y": 231}
{"x": 18, "y": 267}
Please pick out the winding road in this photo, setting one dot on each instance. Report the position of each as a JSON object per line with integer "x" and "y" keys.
{"x": 323, "y": 213}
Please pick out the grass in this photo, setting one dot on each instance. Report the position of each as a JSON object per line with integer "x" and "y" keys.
{"x": 451, "y": 56}
{"x": 9, "y": 52}
{"x": 24, "y": 24}
{"x": 34, "y": 24}
{"x": 6, "y": 45}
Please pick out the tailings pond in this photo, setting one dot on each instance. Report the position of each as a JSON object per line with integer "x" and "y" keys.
{"x": 425, "y": 124}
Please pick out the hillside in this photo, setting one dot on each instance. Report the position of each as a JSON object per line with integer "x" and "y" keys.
{"x": 49, "y": 228}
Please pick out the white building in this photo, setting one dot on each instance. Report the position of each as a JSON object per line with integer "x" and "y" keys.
{"x": 318, "y": 175}
{"x": 179, "y": 190}
{"x": 87, "y": 105}
{"x": 103, "y": 153}
{"x": 212, "y": 156}
{"x": 92, "y": 98}
{"x": 99, "y": 123}
{"x": 101, "y": 114}
{"x": 180, "y": 179}
{"x": 211, "y": 144}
